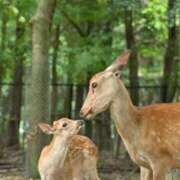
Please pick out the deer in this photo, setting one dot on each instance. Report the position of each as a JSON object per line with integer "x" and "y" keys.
{"x": 69, "y": 156}
{"x": 151, "y": 134}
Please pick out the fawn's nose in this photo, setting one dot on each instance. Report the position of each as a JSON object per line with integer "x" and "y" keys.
{"x": 81, "y": 122}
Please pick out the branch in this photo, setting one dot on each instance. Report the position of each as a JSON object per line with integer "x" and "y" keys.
{"x": 79, "y": 30}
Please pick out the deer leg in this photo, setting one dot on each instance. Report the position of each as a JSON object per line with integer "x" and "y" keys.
{"x": 91, "y": 174}
{"x": 159, "y": 175}
{"x": 78, "y": 174}
{"x": 90, "y": 168}
{"x": 159, "y": 172}
{"x": 85, "y": 168}
{"x": 146, "y": 174}
{"x": 43, "y": 178}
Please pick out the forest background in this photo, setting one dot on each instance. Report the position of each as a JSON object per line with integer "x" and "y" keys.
{"x": 49, "y": 50}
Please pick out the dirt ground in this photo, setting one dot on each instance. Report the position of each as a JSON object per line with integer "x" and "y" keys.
{"x": 12, "y": 167}
{"x": 117, "y": 168}
{"x": 110, "y": 168}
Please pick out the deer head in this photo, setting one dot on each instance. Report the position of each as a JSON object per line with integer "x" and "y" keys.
{"x": 103, "y": 88}
{"x": 64, "y": 127}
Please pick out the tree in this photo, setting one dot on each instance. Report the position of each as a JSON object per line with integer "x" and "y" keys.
{"x": 133, "y": 61}
{"x": 54, "y": 72}
{"x": 170, "y": 71}
{"x": 16, "y": 90}
{"x": 39, "y": 89}
{"x": 4, "y": 21}
{"x": 103, "y": 132}
{"x": 78, "y": 99}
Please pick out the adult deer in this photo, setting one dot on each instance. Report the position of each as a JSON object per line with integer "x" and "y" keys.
{"x": 151, "y": 134}
{"x": 68, "y": 156}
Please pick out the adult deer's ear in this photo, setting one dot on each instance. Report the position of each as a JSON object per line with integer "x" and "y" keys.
{"x": 120, "y": 62}
{"x": 46, "y": 128}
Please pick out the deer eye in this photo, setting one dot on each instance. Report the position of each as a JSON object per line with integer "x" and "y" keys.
{"x": 64, "y": 125}
{"x": 94, "y": 85}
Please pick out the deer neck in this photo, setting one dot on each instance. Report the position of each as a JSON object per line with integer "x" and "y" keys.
{"x": 59, "y": 148}
{"x": 124, "y": 114}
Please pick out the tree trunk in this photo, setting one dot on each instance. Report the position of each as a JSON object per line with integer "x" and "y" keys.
{"x": 103, "y": 132}
{"x": 102, "y": 129}
{"x": 16, "y": 95}
{"x": 3, "y": 43}
{"x": 78, "y": 100}
{"x": 133, "y": 61}
{"x": 54, "y": 73}
{"x": 38, "y": 104}
{"x": 3, "y": 36}
{"x": 170, "y": 71}
{"x": 117, "y": 145}
{"x": 88, "y": 124}
{"x": 68, "y": 96}
{"x": 88, "y": 129}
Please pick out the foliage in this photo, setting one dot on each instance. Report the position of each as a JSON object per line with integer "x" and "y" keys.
{"x": 92, "y": 35}
{"x": 90, "y": 48}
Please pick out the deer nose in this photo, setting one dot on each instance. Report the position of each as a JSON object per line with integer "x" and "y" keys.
{"x": 81, "y": 122}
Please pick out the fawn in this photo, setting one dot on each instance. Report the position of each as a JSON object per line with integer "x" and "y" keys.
{"x": 68, "y": 156}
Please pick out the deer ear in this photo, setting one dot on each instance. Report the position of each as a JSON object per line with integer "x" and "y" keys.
{"x": 46, "y": 128}
{"x": 120, "y": 62}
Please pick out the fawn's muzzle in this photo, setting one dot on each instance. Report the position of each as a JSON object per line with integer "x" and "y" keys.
{"x": 80, "y": 122}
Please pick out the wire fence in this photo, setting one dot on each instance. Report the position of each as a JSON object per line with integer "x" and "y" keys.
{"x": 66, "y": 101}
{"x": 66, "y": 97}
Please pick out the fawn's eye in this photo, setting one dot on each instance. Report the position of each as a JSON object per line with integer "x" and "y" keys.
{"x": 94, "y": 85}
{"x": 64, "y": 125}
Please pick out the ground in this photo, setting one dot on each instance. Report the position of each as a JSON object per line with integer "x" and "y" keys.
{"x": 109, "y": 167}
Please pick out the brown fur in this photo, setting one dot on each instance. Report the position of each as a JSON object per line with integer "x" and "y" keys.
{"x": 79, "y": 162}
{"x": 151, "y": 134}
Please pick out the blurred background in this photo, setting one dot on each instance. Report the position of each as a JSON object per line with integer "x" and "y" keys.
{"x": 50, "y": 49}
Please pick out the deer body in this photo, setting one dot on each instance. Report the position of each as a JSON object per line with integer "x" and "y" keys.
{"x": 69, "y": 158}
{"x": 53, "y": 156}
{"x": 151, "y": 134}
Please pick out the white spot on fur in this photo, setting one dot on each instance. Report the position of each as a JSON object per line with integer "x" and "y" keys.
{"x": 158, "y": 139}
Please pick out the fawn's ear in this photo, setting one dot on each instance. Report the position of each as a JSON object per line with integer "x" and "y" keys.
{"x": 120, "y": 62}
{"x": 46, "y": 128}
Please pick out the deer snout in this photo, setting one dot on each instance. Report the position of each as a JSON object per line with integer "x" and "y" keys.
{"x": 81, "y": 113}
{"x": 84, "y": 112}
{"x": 80, "y": 122}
